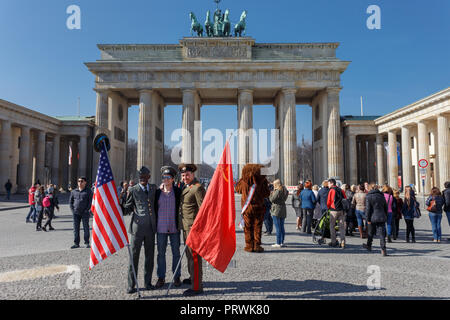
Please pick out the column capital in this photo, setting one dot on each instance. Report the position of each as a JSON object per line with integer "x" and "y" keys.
{"x": 145, "y": 90}
{"x": 102, "y": 90}
{"x": 422, "y": 121}
{"x": 333, "y": 89}
{"x": 289, "y": 90}
{"x": 246, "y": 90}
{"x": 188, "y": 89}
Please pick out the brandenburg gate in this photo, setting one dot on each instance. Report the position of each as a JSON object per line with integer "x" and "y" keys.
{"x": 221, "y": 71}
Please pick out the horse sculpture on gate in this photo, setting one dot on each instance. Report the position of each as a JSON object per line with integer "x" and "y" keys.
{"x": 195, "y": 25}
{"x": 240, "y": 26}
{"x": 209, "y": 25}
{"x": 220, "y": 26}
{"x": 226, "y": 24}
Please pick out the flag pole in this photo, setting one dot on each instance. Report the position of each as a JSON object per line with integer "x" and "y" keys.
{"x": 176, "y": 269}
{"x": 103, "y": 140}
{"x": 134, "y": 271}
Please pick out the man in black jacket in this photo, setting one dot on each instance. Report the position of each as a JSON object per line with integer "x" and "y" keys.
{"x": 376, "y": 213}
{"x": 80, "y": 204}
{"x": 446, "y": 195}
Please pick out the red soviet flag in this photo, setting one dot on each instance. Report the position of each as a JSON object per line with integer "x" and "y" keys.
{"x": 213, "y": 234}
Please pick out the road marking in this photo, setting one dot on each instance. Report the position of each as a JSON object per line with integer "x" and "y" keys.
{"x": 35, "y": 273}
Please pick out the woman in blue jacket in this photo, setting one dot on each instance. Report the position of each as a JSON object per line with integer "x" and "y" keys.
{"x": 435, "y": 212}
{"x": 308, "y": 205}
{"x": 408, "y": 209}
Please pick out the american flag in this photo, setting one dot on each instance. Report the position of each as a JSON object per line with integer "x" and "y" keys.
{"x": 108, "y": 233}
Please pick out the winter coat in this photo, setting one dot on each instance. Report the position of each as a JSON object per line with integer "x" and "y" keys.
{"x": 376, "y": 207}
{"x": 296, "y": 200}
{"x": 322, "y": 197}
{"x": 359, "y": 201}
{"x": 278, "y": 198}
{"x": 408, "y": 212}
{"x": 446, "y": 194}
{"x": 398, "y": 207}
{"x": 31, "y": 195}
{"x": 308, "y": 199}
{"x": 439, "y": 200}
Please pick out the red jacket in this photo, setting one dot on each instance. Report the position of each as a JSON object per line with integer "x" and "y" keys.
{"x": 330, "y": 199}
{"x": 31, "y": 195}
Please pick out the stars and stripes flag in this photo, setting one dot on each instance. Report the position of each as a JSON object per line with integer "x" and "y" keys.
{"x": 108, "y": 232}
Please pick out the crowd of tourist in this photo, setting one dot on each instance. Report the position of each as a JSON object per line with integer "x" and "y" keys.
{"x": 367, "y": 209}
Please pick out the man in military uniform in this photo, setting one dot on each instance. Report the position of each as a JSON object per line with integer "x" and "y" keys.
{"x": 140, "y": 202}
{"x": 191, "y": 200}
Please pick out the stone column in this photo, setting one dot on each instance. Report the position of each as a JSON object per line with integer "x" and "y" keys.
{"x": 24, "y": 160}
{"x": 371, "y": 177}
{"x": 424, "y": 153}
{"x": 289, "y": 137}
{"x": 245, "y": 126}
{"x": 198, "y": 144}
{"x": 406, "y": 157}
{"x": 5, "y": 153}
{"x": 145, "y": 130}
{"x": 55, "y": 160}
{"x": 364, "y": 163}
{"x": 380, "y": 159}
{"x": 187, "y": 153}
{"x": 335, "y": 166}
{"x": 82, "y": 163}
{"x": 393, "y": 161}
{"x": 40, "y": 157}
{"x": 102, "y": 116}
{"x": 443, "y": 150}
{"x": 352, "y": 161}
{"x": 64, "y": 163}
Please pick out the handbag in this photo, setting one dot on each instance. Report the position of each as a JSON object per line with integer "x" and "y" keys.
{"x": 417, "y": 213}
{"x": 432, "y": 206}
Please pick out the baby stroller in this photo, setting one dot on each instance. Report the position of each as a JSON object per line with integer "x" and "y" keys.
{"x": 322, "y": 229}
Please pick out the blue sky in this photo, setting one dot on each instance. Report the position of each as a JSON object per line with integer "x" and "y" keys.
{"x": 41, "y": 61}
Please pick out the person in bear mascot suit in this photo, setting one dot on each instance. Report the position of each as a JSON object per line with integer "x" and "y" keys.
{"x": 254, "y": 214}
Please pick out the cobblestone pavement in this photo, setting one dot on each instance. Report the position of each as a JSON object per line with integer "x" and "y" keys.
{"x": 39, "y": 265}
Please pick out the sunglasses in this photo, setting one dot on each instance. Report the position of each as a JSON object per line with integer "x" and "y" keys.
{"x": 81, "y": 181}
{"x": 166, "y": 177}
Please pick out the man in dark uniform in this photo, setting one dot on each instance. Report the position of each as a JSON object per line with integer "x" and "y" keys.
{"x": 191, "y": 200}
{"x": 140, "y": 203}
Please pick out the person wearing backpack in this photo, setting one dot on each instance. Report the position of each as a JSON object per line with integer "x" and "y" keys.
{"x": 376, "y": 213}
{"x": 434, "y": 204}
{"x": 335, "y": 205}
{"x": 50, "y": 202}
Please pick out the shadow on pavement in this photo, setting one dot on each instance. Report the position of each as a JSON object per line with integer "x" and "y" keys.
{"x": 308, "y": 289}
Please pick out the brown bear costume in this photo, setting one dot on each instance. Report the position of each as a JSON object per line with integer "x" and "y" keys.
{"x": 254, "y": 214}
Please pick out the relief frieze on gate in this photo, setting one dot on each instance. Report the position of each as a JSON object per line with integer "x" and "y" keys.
{"x": 211, "y": 76}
